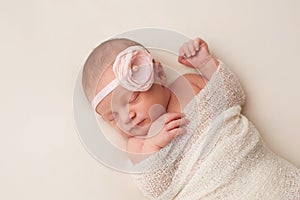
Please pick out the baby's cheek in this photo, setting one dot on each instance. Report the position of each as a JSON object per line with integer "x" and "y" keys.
{"x": 155, "y": 111}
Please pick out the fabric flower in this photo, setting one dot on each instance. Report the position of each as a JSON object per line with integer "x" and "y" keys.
{"x": 133, "y": 68}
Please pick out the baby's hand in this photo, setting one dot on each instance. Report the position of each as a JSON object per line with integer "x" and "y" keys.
{"x": 194, "y": 53}
{"x": 164, "y": 129}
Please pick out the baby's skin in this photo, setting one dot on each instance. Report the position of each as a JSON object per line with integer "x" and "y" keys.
{"x": 151, "y": 118}
{"x": 193, "y": 53}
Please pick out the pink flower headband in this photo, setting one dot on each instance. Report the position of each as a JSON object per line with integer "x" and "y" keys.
{"x": 133, "y": 69}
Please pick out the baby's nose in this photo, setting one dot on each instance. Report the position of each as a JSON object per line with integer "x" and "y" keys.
{"x": 131, "y": 115}
{"x": 127, "y": 117}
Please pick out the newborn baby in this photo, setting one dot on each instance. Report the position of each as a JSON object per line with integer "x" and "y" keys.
{"x": 211, "y": 151}
{"x": 131, "y": 92}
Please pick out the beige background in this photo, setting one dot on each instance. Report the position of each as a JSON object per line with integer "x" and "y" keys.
{"x": 44, "y": 43}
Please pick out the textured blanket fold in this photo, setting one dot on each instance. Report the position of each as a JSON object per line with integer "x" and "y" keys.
{"x": 222, "y": 155}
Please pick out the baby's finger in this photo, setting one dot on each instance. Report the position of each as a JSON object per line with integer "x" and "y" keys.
{"x": 178, "y": 131}
{"x": 202, "y": 43}
{"x": 176, "y": 123}
{"x": 183, "y": 51}
{"x": 172, "y": 116}
{"x": 191, "y": 47}
{"x": 168, "y": 136}
{"x": 186, "y": 50}
{"x": 196, "y": 45}
{"x": 185, "y": 62}
{"x": 165, "y": 137}
{"x": 180, "y": 51}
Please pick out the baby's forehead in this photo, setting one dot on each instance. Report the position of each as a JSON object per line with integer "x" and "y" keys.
{"x": 120, "y": 96}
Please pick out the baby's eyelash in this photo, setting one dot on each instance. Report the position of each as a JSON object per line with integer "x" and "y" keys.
{"x": 134, "y": 97}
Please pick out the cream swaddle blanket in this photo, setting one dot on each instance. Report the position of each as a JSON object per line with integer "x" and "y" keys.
{"x": 222, "y": 155}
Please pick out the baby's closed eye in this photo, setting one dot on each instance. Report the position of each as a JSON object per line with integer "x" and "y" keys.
{"x": 134, "y": 97}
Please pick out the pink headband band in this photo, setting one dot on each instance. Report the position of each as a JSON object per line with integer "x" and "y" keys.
{"x": 133, "y": 69}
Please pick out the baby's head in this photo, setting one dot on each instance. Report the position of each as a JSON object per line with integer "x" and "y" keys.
{"x": 124, "y": 86}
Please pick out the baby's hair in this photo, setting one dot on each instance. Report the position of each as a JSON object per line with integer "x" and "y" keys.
{"x": 99, "y": 59}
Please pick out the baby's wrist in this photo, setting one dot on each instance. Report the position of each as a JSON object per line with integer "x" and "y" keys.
{"x": 208, "y": 59}
{"x": 208, "y": 67}
{"x": 148, "y": 147}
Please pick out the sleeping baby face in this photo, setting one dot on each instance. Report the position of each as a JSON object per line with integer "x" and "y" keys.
{"x": 131, "y": 112}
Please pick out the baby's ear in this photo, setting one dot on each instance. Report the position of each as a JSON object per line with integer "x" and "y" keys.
{"x": 160, "y": 75}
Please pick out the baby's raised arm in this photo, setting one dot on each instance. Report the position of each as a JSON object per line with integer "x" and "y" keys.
{"x": 161, "y": 133}
{"x": 195, "y": 53}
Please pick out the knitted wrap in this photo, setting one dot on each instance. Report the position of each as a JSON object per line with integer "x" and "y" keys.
{"x": 222, "y": 155}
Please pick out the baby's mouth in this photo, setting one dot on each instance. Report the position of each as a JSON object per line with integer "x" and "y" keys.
{"x": 141, "y": 123}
